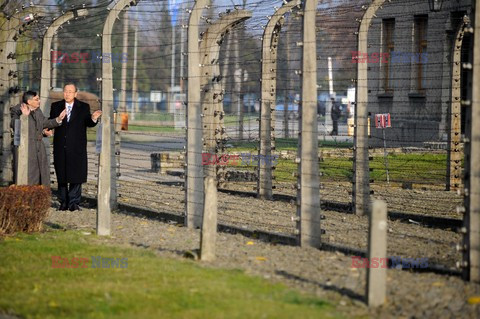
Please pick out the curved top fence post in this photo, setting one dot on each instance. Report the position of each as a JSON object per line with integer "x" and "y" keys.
{"x": 361, "y": 187}
{"x": 194, "y": 172}
{"x": 9, "y": 89}
{"x": 46, "y": 73}
{"x": 268, "y": 95}
{"x": 211, "y": 93}
{"x": 105, "y": 186}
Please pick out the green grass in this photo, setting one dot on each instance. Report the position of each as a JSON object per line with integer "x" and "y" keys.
{"x": 92, "y": 134}
{"x": 289, "y": 144}
{"x": 416, "y": 168}
{"x": 151, "y": 287}
{"x": 151, "y": 128}
{"x": 231, "y": 120}
{"x": 154, "y": 117}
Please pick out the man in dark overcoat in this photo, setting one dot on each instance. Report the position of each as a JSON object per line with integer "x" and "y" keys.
{"x": 70, "y": 146}
{"x": 38, "y": 165}
{"x": 335, "y": 114}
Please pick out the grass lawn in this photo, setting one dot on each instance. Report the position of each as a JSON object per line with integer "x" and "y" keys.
{"x": 231, "y": 120}
{"x": 152, "y": 128}
{"x": 286, "y": 144}
{"x": 429, "y": 168}
{"x": 154, "y": 117}
{"x": 150, "y": 287}
{"x": 416, "y": 168}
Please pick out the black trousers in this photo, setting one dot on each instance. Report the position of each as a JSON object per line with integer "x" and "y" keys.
{"x": 69, "y": 194}
{"x": 335, "y": 127}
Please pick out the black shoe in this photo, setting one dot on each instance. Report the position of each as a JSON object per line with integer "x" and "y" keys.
{"x": 74, "y": 207}
{"x": 63, "y": 207}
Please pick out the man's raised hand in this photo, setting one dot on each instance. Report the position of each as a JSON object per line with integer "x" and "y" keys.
{"x": 62, "y": 116}
{"x": 96, "y": 115}
{"x": 25, "y": 109}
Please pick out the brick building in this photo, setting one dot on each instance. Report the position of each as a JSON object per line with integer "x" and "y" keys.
{"x": 414, "y": 84}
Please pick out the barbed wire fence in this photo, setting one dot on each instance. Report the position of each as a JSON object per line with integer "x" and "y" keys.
{"x": 403, "y": 136}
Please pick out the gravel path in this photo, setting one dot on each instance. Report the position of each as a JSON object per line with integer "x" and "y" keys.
{"x": 326, "y": 274}
{"x": 411, "y": 240}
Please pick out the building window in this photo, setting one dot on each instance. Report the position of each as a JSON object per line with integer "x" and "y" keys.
{"x": 388, "y": 47}
{"x": 421, "y": 55}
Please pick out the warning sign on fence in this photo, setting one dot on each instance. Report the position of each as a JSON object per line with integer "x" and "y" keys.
{"x": 382, "y": 120}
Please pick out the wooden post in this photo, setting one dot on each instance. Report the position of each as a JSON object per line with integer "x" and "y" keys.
{"x": 308, "y": 188}
{"x": 377, "y": 248}
{"x": 22, "y": 167}
{"x": 209, "y": 225}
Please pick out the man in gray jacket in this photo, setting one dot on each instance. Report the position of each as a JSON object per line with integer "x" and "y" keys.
{"x": 38, "y": 166}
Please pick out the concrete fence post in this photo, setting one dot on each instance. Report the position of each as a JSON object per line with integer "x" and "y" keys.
{"x": 308, "y": 188}
{"x": 361, "y": 179}
{"x": 194, "y": 170}
{"x": 377, "y": 251}
{"x": 268, "y": 97}
{"x": 209, "y": 224}
{"x": 22, "y": 167}
{"x": 9, "y": 89}
{"x": 471, "y": 230}
{"x": 212, "y": 130}
{"x": 454, "y": 156}
{"x": 46, "y": 71}
{"x": 107, "y": 188}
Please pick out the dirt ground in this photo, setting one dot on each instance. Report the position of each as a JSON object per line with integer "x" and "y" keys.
{"x": 328, "y": 275}
{"x": 406, "y": 239}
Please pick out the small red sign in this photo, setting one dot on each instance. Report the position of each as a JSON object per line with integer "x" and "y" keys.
{"x": 382, "y": 120}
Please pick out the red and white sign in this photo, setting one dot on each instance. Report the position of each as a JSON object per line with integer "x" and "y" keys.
{"x": 382, "y": 120}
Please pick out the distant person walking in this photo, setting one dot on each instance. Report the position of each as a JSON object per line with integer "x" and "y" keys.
{"x": 38, "y": 165}
{"x": 70, "y": 146}
{"x": 335, "y": 114}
